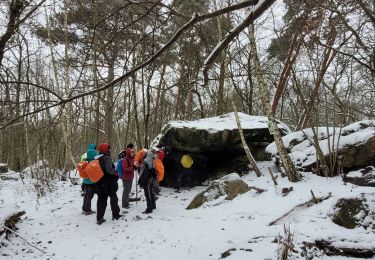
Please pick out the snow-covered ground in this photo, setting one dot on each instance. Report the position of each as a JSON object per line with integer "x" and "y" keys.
{"x": 55, "y": 224}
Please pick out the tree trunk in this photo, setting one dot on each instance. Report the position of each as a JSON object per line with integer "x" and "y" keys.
{"x": 289, "y": 168}
{"x": 157, "y": 102}
{"x": 108, "y": 122}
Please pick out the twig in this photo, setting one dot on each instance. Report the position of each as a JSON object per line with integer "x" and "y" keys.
{"x": 272, "y": 176}
{"x": 314, "y": 198}
{"x": 11, "y": 230}
{"x": 307, "y": 203}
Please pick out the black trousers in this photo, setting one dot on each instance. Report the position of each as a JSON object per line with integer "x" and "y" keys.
{"x": 105, "y": 189}
{"x": 150, "y": 196}
{"x": 89, "y": 194}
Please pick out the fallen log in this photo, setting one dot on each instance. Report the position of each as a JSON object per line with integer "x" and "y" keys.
{"x": 330, "y": 250}
{"x": 308, "y": 204}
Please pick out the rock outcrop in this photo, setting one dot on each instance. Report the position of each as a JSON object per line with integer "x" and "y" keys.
{"x": 229, "y": 187}
{"x": 355, "y": 212}
{"x": 353, "y": 146}
{"x": 215, "y": 144}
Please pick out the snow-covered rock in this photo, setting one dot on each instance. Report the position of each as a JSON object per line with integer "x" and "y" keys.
{"x": 216, "y": 142}
{"x": 355, "y": 144}
{"x": 362, "y": 177}
{"x": 228, "y": 187}
{"x": 215, "y": 134}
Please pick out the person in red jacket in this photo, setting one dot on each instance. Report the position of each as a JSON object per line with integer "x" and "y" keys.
{"x": 127, "y": 176}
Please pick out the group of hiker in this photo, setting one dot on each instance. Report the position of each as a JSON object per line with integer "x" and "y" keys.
{"x": 100, "y": 176}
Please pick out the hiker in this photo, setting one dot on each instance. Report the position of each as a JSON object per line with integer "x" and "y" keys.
{"x": 107, "y": 186}
{"x": 146, "y": 179}
{"x": 89, "y": 186}
{"x": 126, "y": 167}
{"x": 121, "y": 155}
{"x": 185, "y": 172}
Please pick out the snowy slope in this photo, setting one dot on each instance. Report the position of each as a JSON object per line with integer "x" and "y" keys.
{"x": 55, "y": 223}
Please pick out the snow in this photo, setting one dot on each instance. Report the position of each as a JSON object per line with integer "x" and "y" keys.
{"x": 354, "y": 174}
{"x": 55, "y": 224}
{"x": 304, "y": 153}
{"x": 226, "y": 122}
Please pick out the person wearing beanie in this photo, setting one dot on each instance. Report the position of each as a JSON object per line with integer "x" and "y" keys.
{"x": 107, "y": 186}
{"x": 127, "y": 166}
{"x": 122, "y": 154}
{"x": 89, "y": 186}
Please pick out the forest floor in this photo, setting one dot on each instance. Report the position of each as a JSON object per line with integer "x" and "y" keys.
{"x": 237, "y": 229}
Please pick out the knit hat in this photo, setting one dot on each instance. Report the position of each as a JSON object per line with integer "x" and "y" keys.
{"x": 130, "y": 145}
{"x": 104, "y": 148}
{"x": 161, "y": 155}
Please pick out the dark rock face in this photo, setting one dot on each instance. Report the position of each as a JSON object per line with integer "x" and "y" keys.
{"x": 354, "y": 212}
{"x": 215, "y": 145}
{"x": 347, "y": 209}
{"x": 353, "y": 146}
{"x": 230, "y": 186}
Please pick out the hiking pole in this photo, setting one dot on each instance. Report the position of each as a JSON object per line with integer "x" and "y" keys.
{"x": 136, "y": 187}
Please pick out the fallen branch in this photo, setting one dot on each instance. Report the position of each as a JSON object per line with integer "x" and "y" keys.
{"x": 259, "y": 190}
{"x": 308, "y": 204}
{"x": 11, "y": 230}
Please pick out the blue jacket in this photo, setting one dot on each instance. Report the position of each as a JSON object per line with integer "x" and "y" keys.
{"x": 90, "y": 156}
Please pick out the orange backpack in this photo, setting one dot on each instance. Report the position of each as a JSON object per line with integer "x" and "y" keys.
{"x": 94, "y": 171}
{"x": 81, "y": 166}
{"x": 159, "y": 167}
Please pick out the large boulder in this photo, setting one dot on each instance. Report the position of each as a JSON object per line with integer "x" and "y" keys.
{"x": 215, "y": 144}
{"x": 228, "y": 187}
{"x": 353, "y": 144}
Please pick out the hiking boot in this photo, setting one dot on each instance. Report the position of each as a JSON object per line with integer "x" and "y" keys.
{"x": 116, "y": 217}
{"x": 87, "y": 213}
{"x": 100, "y": 221}
{"x": 147, "y": 211}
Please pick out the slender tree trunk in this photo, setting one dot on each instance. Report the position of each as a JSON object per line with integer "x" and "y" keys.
{"x": 179, "y": 87}
{"x": 289, "y": 168}
{"x": 67, "y": 123}
{"x": 108, "y": 122}
{"x": 135, "y": 108}
{"x": 158, "y": 94}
